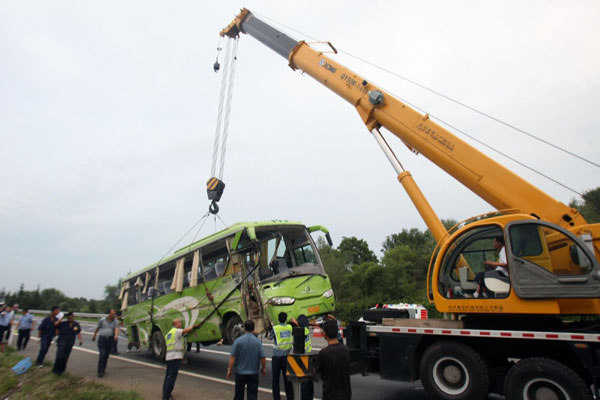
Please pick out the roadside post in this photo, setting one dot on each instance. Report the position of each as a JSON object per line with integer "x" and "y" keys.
{"x": 301, "y": 366}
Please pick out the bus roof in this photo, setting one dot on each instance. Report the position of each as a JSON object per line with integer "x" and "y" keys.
{"x": 211, "y": 238}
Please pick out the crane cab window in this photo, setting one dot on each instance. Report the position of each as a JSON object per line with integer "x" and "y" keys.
{"x": 550, "y": 249}
{"x": 464, "y": 260}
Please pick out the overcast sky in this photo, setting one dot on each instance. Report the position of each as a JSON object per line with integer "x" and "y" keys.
{"x": 108, "y": 112}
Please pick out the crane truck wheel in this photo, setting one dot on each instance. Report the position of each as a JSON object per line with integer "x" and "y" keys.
{"x": 452, "y": 370}
{"x": 234, "y": 328}
{"x": 159, "y": 348}
{"x": 543, "y": 378}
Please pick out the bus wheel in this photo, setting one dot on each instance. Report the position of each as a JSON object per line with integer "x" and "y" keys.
{"x": 543, "y": 378}
{"x": 452, "y": 370}
{"x": 159, "y": 348}
{"x": 233, "y": 329}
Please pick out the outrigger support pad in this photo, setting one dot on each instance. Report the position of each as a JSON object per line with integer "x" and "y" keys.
{"x": 214, "y": 190}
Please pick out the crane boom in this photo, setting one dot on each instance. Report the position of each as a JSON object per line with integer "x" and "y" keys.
{"x": 490, "y": 180}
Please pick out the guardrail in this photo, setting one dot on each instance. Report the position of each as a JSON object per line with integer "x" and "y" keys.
{"x": 77, "y": 314}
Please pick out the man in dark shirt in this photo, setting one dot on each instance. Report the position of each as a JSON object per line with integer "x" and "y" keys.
{"x": 46, "y": 332}
{"x": 334, "y": 365}
{"x": 67, "y": 331}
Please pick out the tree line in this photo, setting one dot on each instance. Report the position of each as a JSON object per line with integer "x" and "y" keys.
{"x": 47, "y": 298}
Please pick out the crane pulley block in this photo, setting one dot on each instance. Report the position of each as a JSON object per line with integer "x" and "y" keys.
{"x": 214, "y": 188}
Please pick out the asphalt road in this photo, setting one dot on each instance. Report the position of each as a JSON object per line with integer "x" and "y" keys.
{"x": 206, "y": 370}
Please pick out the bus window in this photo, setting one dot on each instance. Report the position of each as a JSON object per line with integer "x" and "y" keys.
{"x": 305, "y": 254}
{"x": 165, "y": 278}
{"x": 134, "y": 293}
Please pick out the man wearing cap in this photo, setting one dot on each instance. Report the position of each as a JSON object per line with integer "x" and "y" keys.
{"x": 282, "y": 335}
{"x": 67, "y": 331}
{"x": 174, "y": 341}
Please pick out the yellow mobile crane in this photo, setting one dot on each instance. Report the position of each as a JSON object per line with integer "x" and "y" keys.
{"x": 552, "y": 255}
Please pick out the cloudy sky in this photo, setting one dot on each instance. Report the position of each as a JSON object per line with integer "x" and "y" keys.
{"x": 108, "y": 112}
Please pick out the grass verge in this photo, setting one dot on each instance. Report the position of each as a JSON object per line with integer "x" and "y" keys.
{"x": 41, "y": 383}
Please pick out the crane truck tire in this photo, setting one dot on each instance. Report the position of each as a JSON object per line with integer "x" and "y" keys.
{"x": 453, "y": 371}
{"x": 543, "y": 378}
{"x": 234, "y": 328}
{"x": 377, "y": 314}
{"x": 159, "y": 347}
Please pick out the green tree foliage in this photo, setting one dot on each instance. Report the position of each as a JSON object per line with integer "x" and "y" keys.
{"x": 360, "y": 280}
{"x": 356, "y": 250}
{"x": 589, "y": 207}
{"x": 45, "y": 299}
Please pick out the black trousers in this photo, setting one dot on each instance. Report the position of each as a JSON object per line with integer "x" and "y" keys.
{"x": 251, "y": 384}
{"x": 44, "y": 346}
{"x": 23, "y": 338}
{"x": 307, "y": 390}
{"x": 105, "y": 346}
{"x": 170, "y": 377}
{"x": 279, "y": 365}
{"x": 63, "y": 351}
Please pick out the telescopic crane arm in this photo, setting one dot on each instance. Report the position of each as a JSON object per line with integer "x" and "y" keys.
{"x": 487, "y": 178}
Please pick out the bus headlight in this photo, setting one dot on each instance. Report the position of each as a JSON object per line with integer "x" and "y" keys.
{"x": 282, "y": 301}
{"x": 328, "y": 293}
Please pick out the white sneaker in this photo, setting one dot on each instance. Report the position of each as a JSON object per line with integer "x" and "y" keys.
{"x": 476, "y": 294}
{"x": 485, "y": 294}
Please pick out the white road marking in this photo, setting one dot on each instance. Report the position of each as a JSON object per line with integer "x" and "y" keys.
{"x": 183, "y": 372}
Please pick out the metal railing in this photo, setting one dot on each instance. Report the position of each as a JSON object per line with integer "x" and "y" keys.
{"x": 76, "y": 314}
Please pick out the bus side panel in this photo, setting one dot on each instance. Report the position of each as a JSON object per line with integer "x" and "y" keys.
{"x": 397, "y": 356}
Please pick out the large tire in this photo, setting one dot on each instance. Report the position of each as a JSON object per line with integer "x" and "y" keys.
{"x": 377, "y": 314}
{"x": 542, "y": 378}
{"x": 452, "y": 370}
{"x": 158, "y": 345}
{"x": 234, "y": 328}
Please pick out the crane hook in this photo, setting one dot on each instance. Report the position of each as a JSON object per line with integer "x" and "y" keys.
{"x": 213, "y": 208}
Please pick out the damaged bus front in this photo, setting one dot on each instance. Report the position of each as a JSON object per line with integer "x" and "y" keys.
{"x": 247, "y": 271}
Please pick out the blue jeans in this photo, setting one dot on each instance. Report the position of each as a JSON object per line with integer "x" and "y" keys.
{"x": 170, "y": 377}
{"x": 105, "y": 345}
{"x": 251, "y": 381}
{"x": 279, "y": 365}
{"x": 44, "y": 346}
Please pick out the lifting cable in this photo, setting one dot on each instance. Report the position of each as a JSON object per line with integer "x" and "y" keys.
{"x": 498, "y": 120}
{"x": 215, "y": 185}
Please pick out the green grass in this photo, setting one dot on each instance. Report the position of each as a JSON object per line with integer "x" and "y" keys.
{"x": 44, "y": 385}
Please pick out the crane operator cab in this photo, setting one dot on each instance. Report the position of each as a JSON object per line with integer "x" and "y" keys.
{"x": 544, "y": 269}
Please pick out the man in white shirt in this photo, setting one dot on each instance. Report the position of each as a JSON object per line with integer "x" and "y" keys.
{"x": 174, "y": 342}
{"x": 501, "y": 267}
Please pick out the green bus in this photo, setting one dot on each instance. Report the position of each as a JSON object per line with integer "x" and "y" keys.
{"x": 251, "y": 270}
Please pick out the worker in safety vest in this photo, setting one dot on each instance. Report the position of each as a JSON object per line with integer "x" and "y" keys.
{"x": 307, "y": 388}
{"x": 174, "y": 342}
{"x": 282, "y": 334}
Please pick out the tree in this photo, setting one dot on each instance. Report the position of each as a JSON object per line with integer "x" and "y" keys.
{"x": 590, "y": 206}
{"x": 111, "y": 297}
{"x": 356, "y": 250}
{"x": 335, "y": 265}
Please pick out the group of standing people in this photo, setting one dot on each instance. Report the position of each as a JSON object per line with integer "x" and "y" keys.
{"x": 68, "y": 331}
{"x": 247, "y": 355}
{"x": 24, "y": 326}
{"x": 247, "y": 359}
